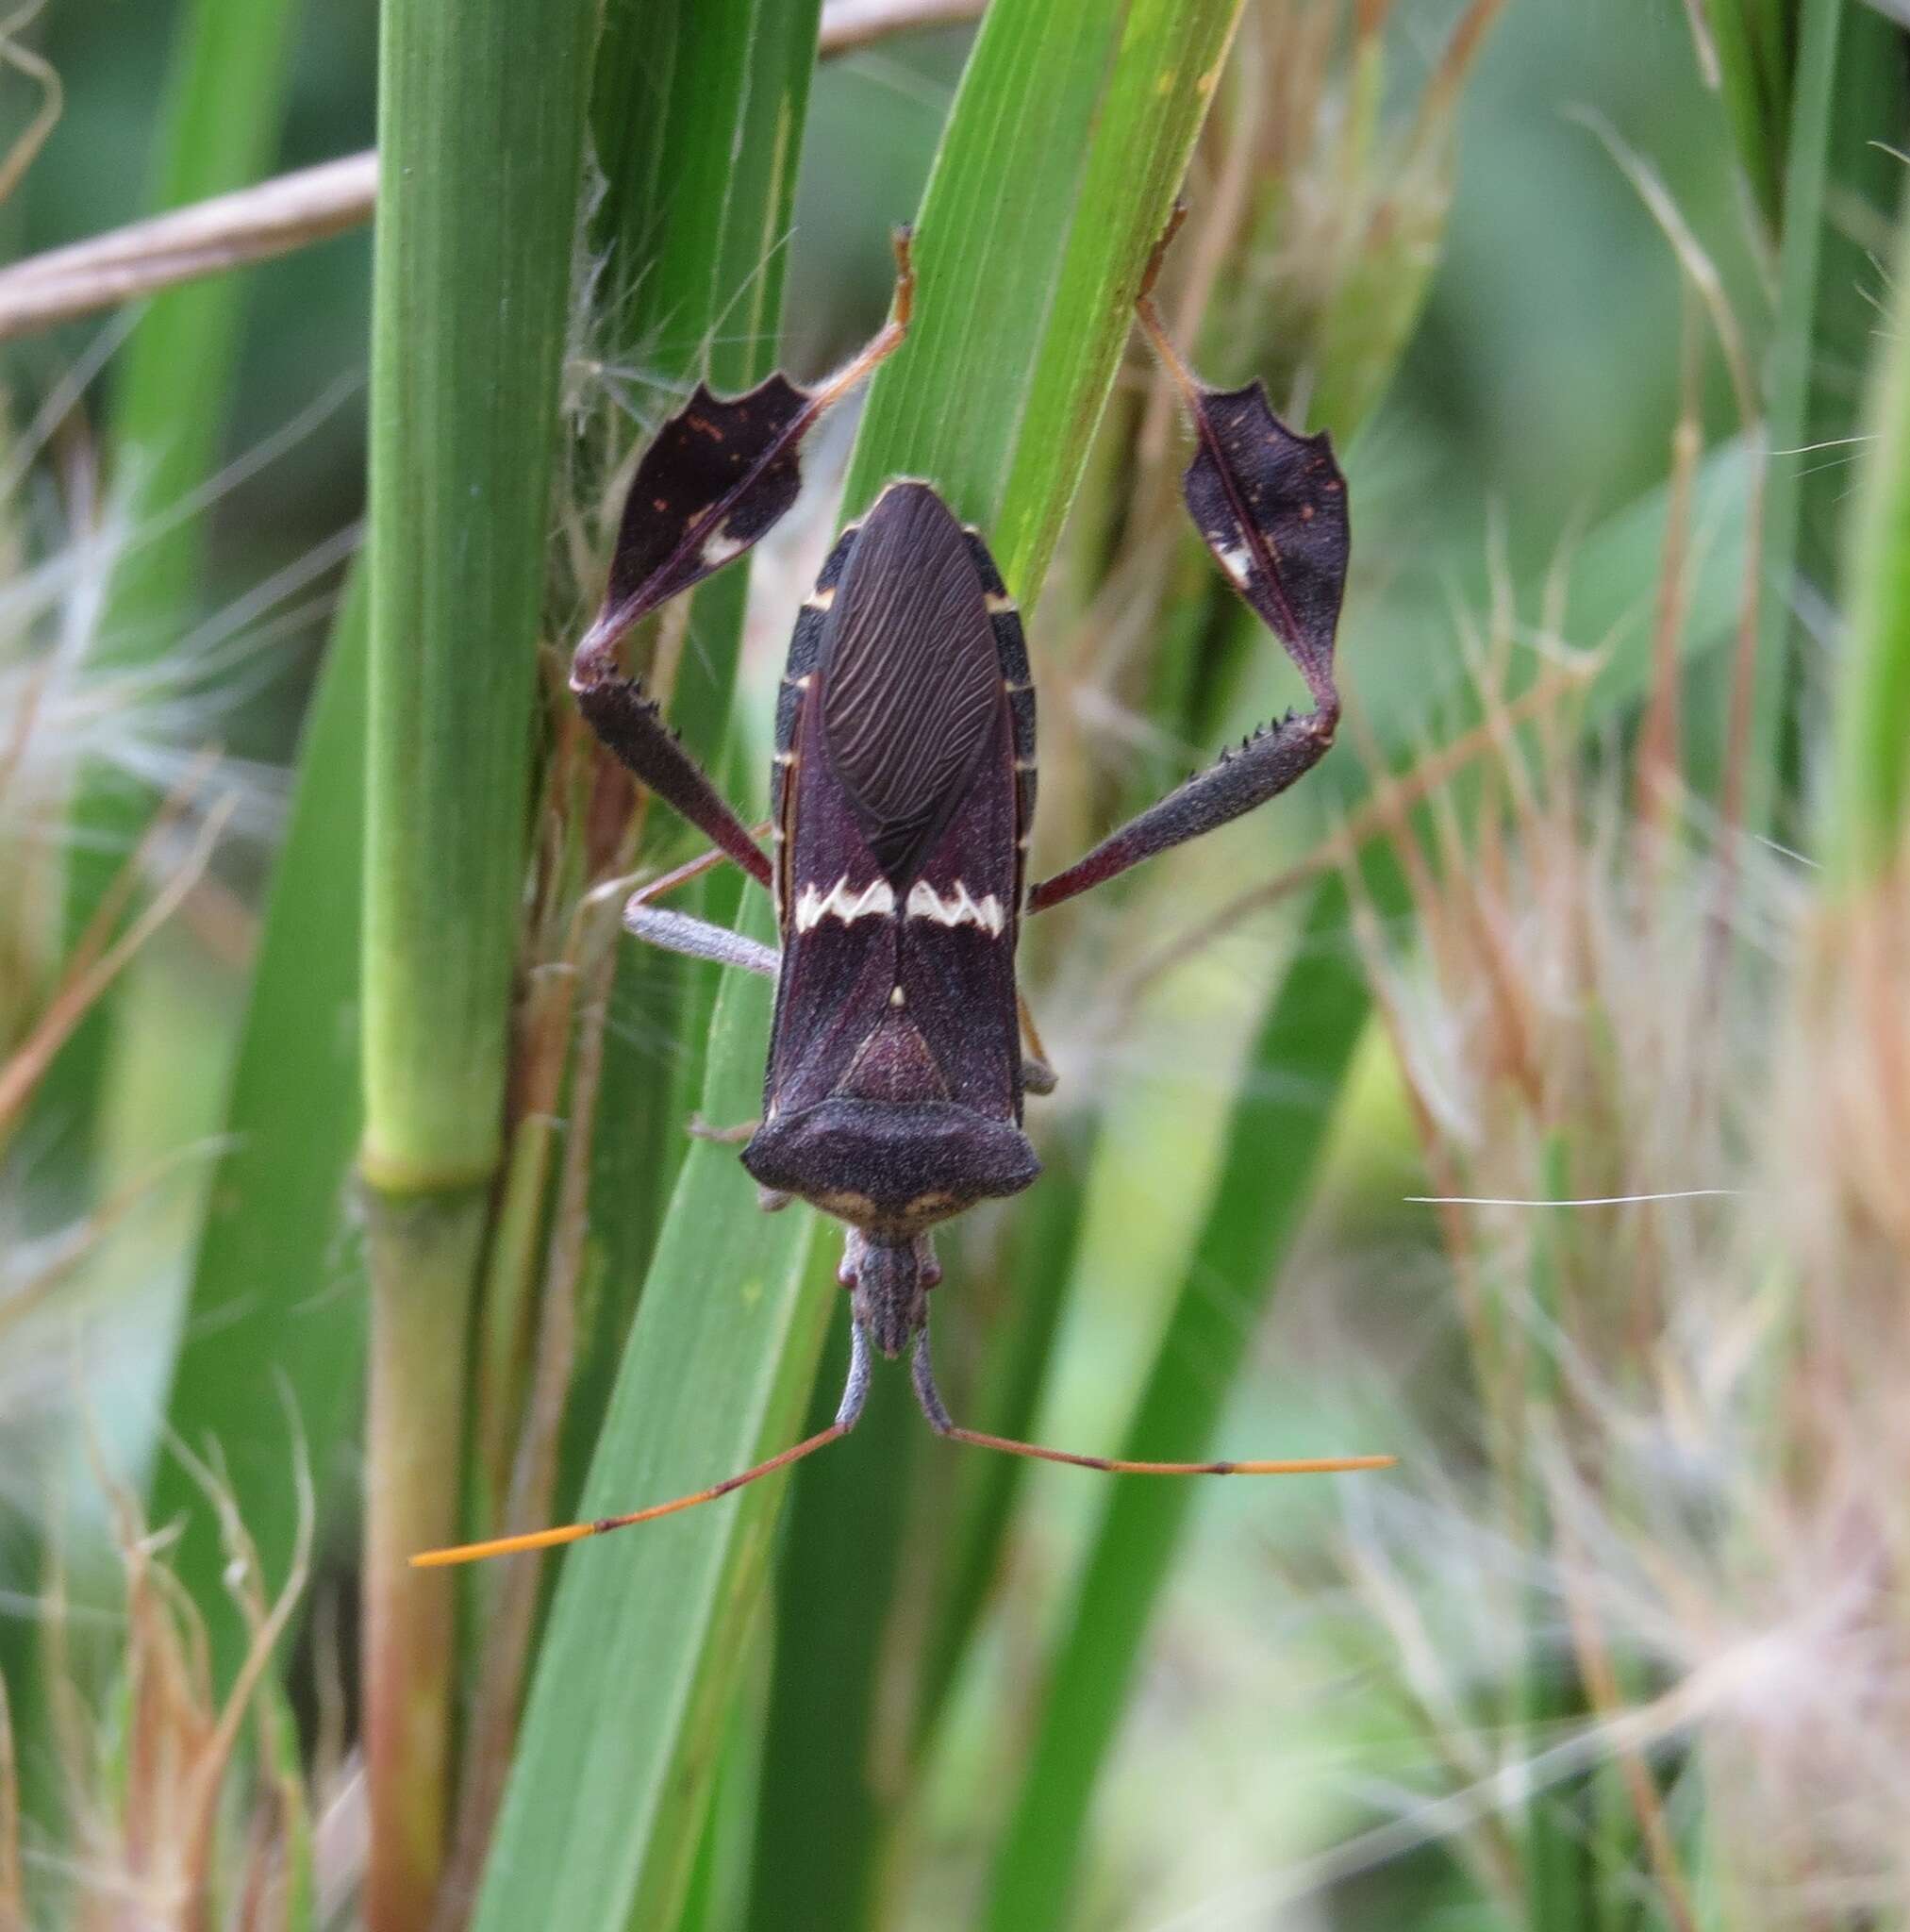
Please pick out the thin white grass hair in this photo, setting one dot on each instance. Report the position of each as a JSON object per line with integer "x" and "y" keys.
{"x": 77, "y": 696}
{"x": 1687, "y": 1368}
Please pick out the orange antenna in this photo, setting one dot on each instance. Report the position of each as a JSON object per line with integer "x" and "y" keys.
{"x": 940, "y": 1422}
{"x": 846, "y": 1415}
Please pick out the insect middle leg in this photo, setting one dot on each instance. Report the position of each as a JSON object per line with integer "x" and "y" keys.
{"x": 697, "y": 939}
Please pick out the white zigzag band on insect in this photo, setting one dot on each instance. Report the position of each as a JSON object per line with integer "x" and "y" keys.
{"x": 958, "y": 909}
{"x": 848, "y": 903}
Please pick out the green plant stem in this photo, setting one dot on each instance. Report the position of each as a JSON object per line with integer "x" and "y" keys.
{"x": 481, "y": 135}
{"x": 423, "y": 1255}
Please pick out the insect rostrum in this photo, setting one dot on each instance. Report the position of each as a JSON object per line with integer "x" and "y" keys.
{"x": 902, "y": 799}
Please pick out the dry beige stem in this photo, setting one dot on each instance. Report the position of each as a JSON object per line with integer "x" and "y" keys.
{"x": 292, "y": 210}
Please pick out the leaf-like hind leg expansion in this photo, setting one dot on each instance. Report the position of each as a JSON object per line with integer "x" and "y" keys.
{"x": 1271, "y": 506}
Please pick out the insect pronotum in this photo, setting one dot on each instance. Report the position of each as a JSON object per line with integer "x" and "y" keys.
{"x": 901, "y": 800}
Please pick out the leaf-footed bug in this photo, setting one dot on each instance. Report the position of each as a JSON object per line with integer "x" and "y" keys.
{"x": 901, "y": 799}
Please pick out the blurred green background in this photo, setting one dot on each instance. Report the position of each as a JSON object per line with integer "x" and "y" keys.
{"x": 1537, "y": 398}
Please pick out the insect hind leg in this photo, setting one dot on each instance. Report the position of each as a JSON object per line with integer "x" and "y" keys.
{"x": 922, "y": 1375}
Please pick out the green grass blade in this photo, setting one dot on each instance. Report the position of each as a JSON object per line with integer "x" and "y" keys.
{"x": 997, "y": 401}
{"x": 946, "y": 405}
{"x": 1752, "y": 40}
{"x": 817, "y": 1836}
{"x": 1004, "y": 1401}
{"x": 219, "y": 127}
{"x": 1869, "y": 792}
{"x": 1844, "y": 110}
{"x": 274, "y": 1316}
{"x": 1306, "y": 1042}
{"x": 603, "y": 1812}
{"x": 1167, "y": 66}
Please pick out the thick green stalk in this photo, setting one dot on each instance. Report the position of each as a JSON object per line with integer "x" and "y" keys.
{"x": 1869, "y": 790}
{"x": 480, "y": 133}
{"x": 423, "y": 1252}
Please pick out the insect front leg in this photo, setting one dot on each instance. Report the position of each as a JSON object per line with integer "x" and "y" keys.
{"x": 720, "y": 475}
{"x": 631, "y": 724}
{"x": 1271, "y": 507}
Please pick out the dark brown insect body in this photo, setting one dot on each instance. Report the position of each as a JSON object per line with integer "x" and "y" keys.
{"x": 902, "y": 791}
{"x": 902, "y": 797}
